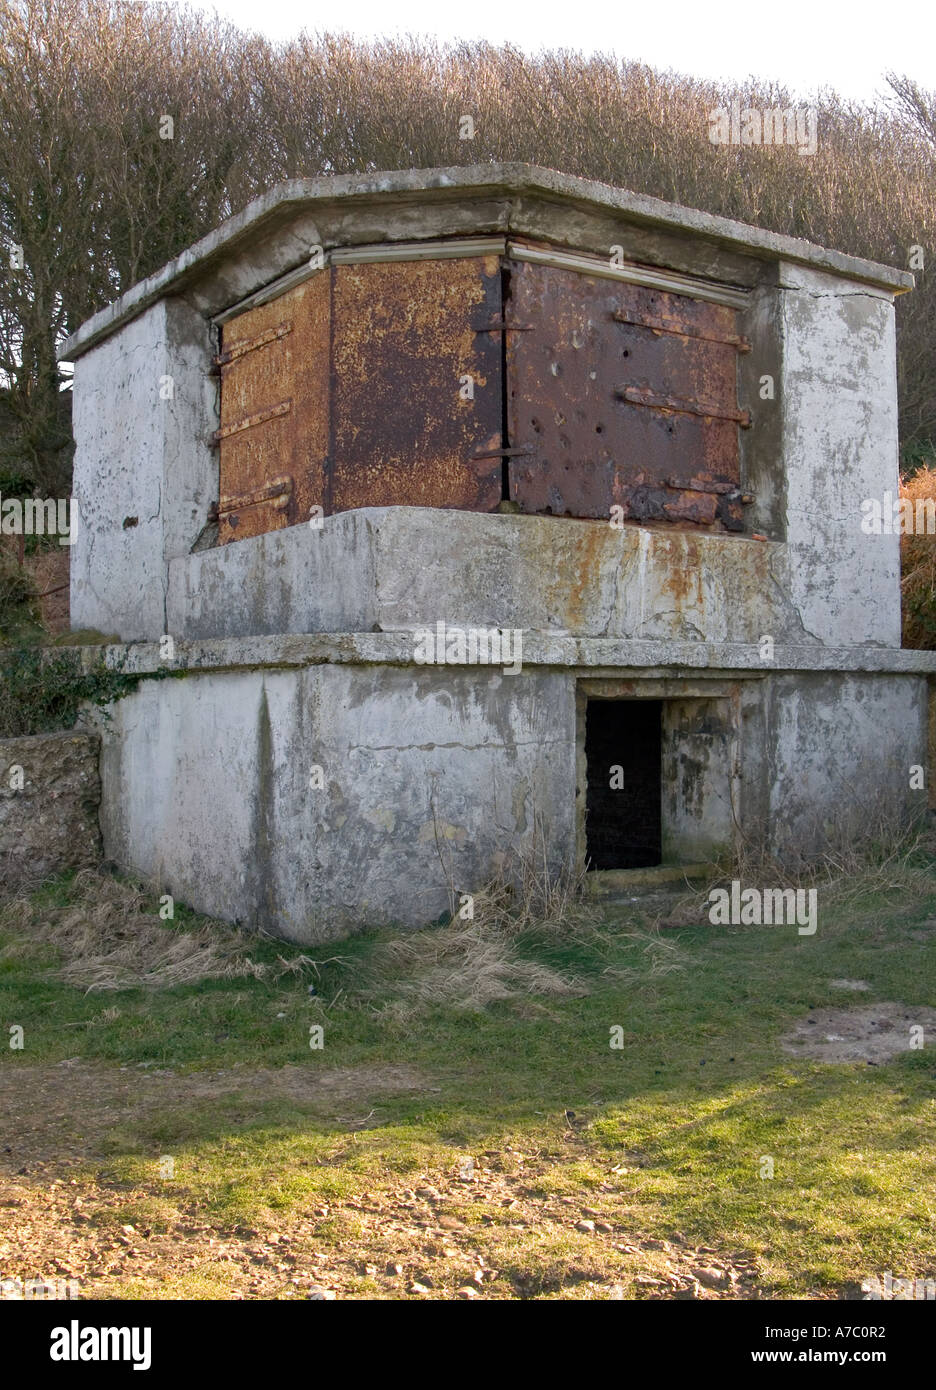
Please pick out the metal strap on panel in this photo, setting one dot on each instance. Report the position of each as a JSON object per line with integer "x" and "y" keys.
{"x": 456, "y": 248}
{"x": 685, "y": 330}
{"x": 277, "y": 490}
{"x": 699, "y": 484}
{"x": 672, "y": 281}
{"x": 247, "y": 423}
{"x": 385, "y": 251}
{"x": 709, "y": 410}
{"x": 242, "y": 348}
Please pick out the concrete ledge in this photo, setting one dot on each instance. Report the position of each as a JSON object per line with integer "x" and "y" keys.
{"x": 387, "y": 569}
{"x": 539, "y": 650}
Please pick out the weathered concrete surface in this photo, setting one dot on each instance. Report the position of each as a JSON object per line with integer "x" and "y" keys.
{"x": 144, "y": 472}
{"x": 587, "y": 654}
{"x": 517, "y": 198}
{"x": 403, "y": 567}
{"x": 828, "y": 758}
{"x": 700, "y": 758}
{"x": 50, "y": 791}
{"x": 212, "y": 787}
{"x": 316, "y": 800}
{"x": 838, "y": 404}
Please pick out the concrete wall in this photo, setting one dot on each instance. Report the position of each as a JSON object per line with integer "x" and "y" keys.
{"x": 431, "y": 776}
{"x": 388, "y": 568}
{"x": 402, "y": 567}
{"x": 210, "y": 787}
{"x": 144, "y": 471}
{"x": 837, "y": 400}
{"x": 836, "y": 758}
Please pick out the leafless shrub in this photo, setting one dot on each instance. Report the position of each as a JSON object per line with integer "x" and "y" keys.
{"x": 918, "y": 566}
{"x": 17, "y": 591}
{"x": 97, "y": 198}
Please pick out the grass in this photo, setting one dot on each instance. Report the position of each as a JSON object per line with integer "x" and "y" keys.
{"x": 665, "y": 1137}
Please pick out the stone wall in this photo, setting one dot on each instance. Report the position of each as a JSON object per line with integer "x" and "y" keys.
{"x": 50, "y": 791}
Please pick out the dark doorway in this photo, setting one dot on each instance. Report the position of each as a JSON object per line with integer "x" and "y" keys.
{"x": 623, "y": 768}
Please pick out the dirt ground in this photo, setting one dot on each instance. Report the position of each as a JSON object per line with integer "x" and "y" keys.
{"x": 874, "y": 1033}
{"x": 423, "y": 1239}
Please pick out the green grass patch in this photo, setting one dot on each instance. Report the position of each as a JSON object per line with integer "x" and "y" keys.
{"x": 680, "y": 1121}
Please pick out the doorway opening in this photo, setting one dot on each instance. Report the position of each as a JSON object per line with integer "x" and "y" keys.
{"x": 623, "y": 758}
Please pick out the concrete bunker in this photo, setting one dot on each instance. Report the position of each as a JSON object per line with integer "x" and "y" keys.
{"x": 495, "y": 399}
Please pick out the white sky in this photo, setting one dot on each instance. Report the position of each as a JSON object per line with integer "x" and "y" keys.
{"x": 806, "y": 44}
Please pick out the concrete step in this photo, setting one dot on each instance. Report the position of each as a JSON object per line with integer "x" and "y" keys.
{"x": 631, "y": 884}
{"x": 654, "y": 893}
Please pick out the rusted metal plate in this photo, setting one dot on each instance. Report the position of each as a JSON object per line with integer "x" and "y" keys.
{"x": 625, "y": 396}
{"x": 417, "y": 385}
{"x": 273, "y": 438}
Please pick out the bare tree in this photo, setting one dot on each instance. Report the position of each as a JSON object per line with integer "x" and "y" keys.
{"x": 129, "y": 130}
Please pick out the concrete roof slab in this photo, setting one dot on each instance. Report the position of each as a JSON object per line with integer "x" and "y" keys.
{"x": 508, "y": 198}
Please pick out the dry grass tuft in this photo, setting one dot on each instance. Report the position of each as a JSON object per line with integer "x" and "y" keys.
{"x": 471, "y": 963}
{"x": 466, "y": 965}
{"x": 849, "y": 863}
{"x": 108, "y": 938}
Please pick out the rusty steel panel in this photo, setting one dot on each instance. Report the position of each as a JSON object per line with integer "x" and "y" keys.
{"x": 273, "y": 437}
{"x": 412, "y": 342}
{"x": 621, "y": 395}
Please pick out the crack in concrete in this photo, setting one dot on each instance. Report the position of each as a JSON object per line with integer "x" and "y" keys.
{"x": 468, "y": 747}
{"x": 828, "y": 294}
